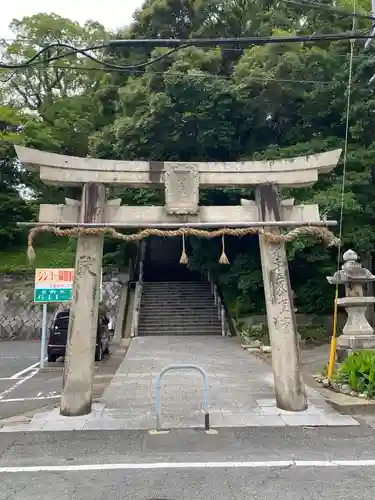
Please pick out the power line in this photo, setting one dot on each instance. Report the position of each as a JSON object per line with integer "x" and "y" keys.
{"x": 240, "y": 51}
{"x": 243, "y": 41}
{"x": 202, "y": 76}
{"x": 176, "y": 44}
{"x": 35, "y": 61}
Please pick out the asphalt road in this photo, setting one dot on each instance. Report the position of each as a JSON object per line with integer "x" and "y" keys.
{"x": 17, "y": 355}
{"x": 22, "y": 388}
{"x": 226, "y": 484}
{"x": 181, "y": 465}
{"x": 256, "y": 463}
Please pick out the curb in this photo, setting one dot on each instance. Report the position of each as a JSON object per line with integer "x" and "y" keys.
{"x": 348, "y": 405}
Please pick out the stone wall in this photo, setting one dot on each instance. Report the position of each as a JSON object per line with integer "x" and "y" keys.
{"x": 20, "y": 318}
{"x": 303, "y": 321}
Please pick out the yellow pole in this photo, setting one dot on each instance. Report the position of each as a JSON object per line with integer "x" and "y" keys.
{"x": 332, "y": 355}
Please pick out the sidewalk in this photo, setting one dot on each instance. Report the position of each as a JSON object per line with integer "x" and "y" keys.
{"x": 241, "y": 391}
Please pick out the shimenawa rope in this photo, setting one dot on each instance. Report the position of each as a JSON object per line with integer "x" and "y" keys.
{"x": 322, "y": 233}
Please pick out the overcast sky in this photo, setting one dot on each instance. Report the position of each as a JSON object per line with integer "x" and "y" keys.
{"x": 111, "y": 13}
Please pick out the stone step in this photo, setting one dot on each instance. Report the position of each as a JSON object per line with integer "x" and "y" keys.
{"x": 175, "y": 334}
{"x": 181, "y": 326}
{"x": 178, "y": 322}
{"x": 174, "y": 285}
{"x": 185, "y": 304}
{"x": 166, "y": 289}
{"x": 177, "y": 292}
{"x": 181, "y": 313}
{"x": 180, "y": 291}
{"x": 178, "y": 301}
{"x": 181, "y": 282}
{"x": 177, "y": 297}
{"x": 185, "y": 315}
{"x": 178, "y": 308}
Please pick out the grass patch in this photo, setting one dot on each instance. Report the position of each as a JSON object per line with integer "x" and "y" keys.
{"x": 54, "y": 255}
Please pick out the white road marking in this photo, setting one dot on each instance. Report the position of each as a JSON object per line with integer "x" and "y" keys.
{"x": 37, "y": 398}
{"x": 189, "y": 465}
{"x": 17, "y": 384}
{"x": 17, "y": 357}
{"x": 25, "y": 370}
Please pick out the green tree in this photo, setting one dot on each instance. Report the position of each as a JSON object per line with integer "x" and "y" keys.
{"x": 263, "y": 102}
{"x": 58, "y": 95}
{"x": 13, "y": 207}
{"x": 219, "y": 104}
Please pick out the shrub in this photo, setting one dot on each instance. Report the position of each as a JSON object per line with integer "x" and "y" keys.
{"x": 358, "y": 371}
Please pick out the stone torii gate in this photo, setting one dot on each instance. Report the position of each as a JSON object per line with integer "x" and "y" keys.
{"x": 181, "y": 181}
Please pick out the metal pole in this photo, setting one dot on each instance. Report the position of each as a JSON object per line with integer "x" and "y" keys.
{"x": 44, "y": 336}
{"x": 205, "y": 391}
{"x": 180, "y": 225}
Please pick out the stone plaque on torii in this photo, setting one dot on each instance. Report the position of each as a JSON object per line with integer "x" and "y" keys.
{"x": 181, "y": 181}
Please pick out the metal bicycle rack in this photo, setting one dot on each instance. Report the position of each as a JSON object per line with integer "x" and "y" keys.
{"x": 205, "y": 391}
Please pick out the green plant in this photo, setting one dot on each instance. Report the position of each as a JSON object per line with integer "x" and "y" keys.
{"x": 358, "y": 371}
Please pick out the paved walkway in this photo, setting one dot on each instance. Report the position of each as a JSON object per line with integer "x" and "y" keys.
{"x": 241, "y": 391}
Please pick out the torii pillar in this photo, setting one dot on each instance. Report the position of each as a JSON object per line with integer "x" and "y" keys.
{"x": 76, "y": 396}
{"x": 286, "y": 360}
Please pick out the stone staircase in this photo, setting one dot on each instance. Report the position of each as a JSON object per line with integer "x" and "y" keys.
{"x": 178, "y": 308}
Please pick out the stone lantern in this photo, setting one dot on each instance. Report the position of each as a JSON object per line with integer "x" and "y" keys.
{"x": 357, "y": 333}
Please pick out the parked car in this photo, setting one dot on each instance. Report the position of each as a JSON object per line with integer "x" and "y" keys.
{"x": 59, "y": 334}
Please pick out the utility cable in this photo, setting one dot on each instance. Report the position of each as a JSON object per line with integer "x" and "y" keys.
{"x": 178, "y": 44}
{"x": 35, "y": 61}
{"x": 203, "y": 75}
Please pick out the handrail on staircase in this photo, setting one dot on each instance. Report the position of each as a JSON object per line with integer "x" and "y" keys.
{"x": 138, "y": 290}
{"x": 135, "y": 271}
{"x": 224, "y": 316}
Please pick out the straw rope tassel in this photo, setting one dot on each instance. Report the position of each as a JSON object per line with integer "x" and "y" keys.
{"x": 223, "y": 258}
{"x": 184, "y": 258}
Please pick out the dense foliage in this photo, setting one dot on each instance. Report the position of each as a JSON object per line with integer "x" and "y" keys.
{"x": 219, "y": 104}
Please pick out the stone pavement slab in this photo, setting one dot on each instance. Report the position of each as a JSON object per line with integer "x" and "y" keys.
{"x": 240, "y": 391}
